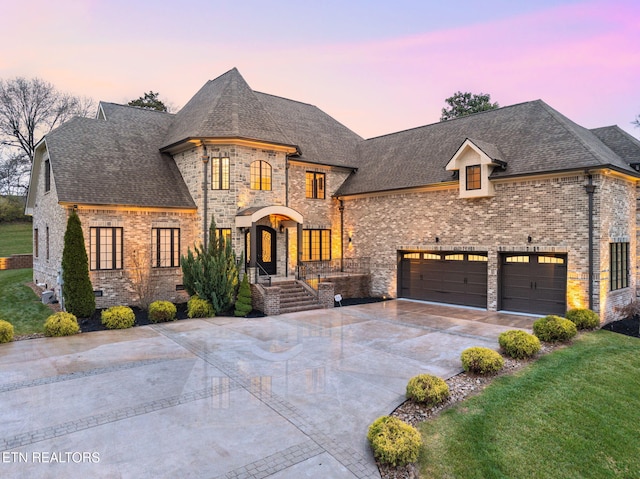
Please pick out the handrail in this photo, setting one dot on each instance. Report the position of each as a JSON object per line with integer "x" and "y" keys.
{"x": 258, "y": 269}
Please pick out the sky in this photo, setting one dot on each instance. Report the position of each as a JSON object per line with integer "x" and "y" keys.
{"x": 377, "y": 67}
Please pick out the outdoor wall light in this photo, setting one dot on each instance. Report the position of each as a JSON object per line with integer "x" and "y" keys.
{"x": 281, "y": 228}
{"x": 437, "y": 240}
{"x": 529, "y": 239}
{"x": 349, "y": 239}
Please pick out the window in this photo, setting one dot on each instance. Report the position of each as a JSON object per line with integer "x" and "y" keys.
{"x": 619, "y": 259}
{"x": 473, "y": 177}
{"x": 35, "y": 242}
{"x": 106, "y": 248}
{"x": 165, "y": 247}
{"x": 47, "y": 175}
{"x": 314, "y": 185}
{"x": 517, "y": 259}
{"x": 225, "y": 233}
{"x": 219, "y": 173}
{"x": 260, "y": 175}
{"x": 316, "y": 245}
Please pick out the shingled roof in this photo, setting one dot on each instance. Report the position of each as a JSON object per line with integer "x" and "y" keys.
{"x": 225, "y": 108}
{"x": 622, "y": 143}
{"x": 116, "y": 161}
{"x": 530, "y": 137}
{"x": 319, "y": 137}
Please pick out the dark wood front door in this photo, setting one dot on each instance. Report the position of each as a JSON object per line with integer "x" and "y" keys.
{"x": 266, "y": 248}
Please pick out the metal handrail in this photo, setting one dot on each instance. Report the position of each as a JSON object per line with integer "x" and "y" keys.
{"x": 258, "y": 269}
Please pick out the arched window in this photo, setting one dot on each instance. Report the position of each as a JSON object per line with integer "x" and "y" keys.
{"x": 260, "y": 175}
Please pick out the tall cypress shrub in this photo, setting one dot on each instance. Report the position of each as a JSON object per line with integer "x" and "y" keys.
{"x": 212, "y": 272}
{"x": 77, "y": 290}
{"x": 243, "y": 302}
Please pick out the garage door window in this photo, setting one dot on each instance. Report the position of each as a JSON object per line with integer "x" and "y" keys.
{"x": 619, "y": 265}
{"x": 517, "y": 259}
{"x": 550, "y": 260}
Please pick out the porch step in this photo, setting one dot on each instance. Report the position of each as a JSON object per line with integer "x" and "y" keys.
{"x": 295, "y": 297}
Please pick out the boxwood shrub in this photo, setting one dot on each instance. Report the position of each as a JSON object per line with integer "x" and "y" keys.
{"x": 118, "y": 317}
{"x": 553, "y": 329}
{"x": 393, "y": 441}
{"x": 427, "y": 389}
{"x": 481, "y": 360}
{"x": 199, "y": 308}
{"x": 583, "y": 318}
{"x": 518, "y": 344}
{"x": 6, "y": 331}
{"x": 61, "y": 324}
{"x": 162, "y": 311}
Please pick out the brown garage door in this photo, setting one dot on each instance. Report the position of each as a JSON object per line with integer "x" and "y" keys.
{"x": 533, "y": 283}
{"x": 444, "y": 277}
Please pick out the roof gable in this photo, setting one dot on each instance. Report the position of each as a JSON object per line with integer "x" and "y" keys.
{"x": 116, "y": 161}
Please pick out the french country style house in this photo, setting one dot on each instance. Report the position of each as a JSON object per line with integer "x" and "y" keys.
{"x": 516, "y": 209}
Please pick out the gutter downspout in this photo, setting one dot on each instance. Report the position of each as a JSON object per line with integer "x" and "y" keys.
{"x": 205, "y": 190}
{"x": 590, "y": 188}
{"x": 341, "y": 208}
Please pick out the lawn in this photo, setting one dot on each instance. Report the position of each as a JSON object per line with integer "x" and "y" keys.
{"x": 571, "y": 414}
{"x": 19, "y": 304}
{"x": 15, "y": 238}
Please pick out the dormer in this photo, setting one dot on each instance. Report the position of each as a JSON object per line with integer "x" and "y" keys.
{"x": 475, "y": 161}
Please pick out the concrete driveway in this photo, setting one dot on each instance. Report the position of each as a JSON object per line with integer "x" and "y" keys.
{"x": 289, "y": 396}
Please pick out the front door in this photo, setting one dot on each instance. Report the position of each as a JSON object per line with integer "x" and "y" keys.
{"x": 266, "y": 248}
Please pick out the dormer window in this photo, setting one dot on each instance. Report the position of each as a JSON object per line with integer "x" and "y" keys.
{"x": 474, "y": 162}
{"x": 473, "y": 177}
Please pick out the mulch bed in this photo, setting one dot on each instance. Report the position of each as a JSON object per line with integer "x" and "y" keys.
{"x": 628, "y": 327}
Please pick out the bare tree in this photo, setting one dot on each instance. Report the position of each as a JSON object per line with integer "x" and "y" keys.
{"x": 14, "y": 173}
{"x": 30, "y": 108}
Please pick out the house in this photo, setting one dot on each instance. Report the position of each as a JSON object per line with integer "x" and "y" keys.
{"x": 516, "y": 209}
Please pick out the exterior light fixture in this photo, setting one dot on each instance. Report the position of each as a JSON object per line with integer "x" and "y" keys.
{"x": 437, "y": 240}
{"x": 529, "y": 239}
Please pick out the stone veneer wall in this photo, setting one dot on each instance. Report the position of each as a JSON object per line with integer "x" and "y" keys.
{"x": 552, "y": 210}
{"x": 224, "y": 205}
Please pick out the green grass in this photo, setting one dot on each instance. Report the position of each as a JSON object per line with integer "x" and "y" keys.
{"x": 572, "y": 414}
{"x": 15, "y": 238}
{"x": 19, "y": 304}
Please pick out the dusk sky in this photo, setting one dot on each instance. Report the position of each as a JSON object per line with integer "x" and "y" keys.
{"x": 377, "y": 67}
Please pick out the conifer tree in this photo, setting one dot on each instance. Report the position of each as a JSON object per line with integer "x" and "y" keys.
{"x": 243, "y": 303}
{"x": 77, "y": 290}
{"x": 212, "y": 272}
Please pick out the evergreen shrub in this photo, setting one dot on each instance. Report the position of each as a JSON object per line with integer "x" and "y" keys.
{"x": 394, "y": 441}
{"x": 243, "y": 302}
{"x": 481, "y": 360}
{"x": 199, "y": 308}
{"x": 518, "y": 344}
{"x": 428, "y": 389}
{"x": 77, "y": 290}
{"x": 583, "y": 318}
{"x": 118, "y": 317}
{"x": 162, "y": 311}
{"x": 6, "y": 331}
{"x": 61, "y": 324}
{"x": 554, "y": 329}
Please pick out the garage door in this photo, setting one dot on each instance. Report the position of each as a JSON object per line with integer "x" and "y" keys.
{"x": 533, "y": 283}
{"x": 444, "y": 277}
